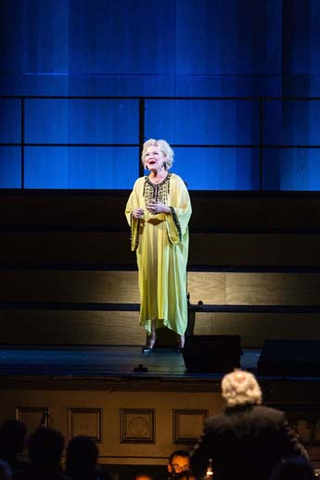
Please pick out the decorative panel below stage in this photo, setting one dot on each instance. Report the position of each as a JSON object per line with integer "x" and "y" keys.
{"x": 143, "y": 426}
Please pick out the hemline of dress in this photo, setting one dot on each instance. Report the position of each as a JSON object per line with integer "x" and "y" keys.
{"x": 165, "y": 323}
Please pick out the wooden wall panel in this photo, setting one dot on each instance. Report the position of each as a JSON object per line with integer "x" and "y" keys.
{"x": 69, "y": 286}
{"x": 208, "y": 287}
{"x": 81, "y": 286}
{"x": 156, "y": 405}
{"x": 187, "y": 424}
{"x": 272, "y": 289}
{"x": 121, "y": 287}
{"x": 32, "y": 416}
{"x": 85, "y": 421}
{"x": 137, "y": 425}
{"x": 75, "y": 327}
{"x": 254, "y": 328}
{"x": 164, "y": 405}
{"x": 123, "y": 328}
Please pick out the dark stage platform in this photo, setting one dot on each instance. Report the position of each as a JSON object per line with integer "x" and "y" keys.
{"x": 95, "y": 366}
{"x": 103, "y": 361}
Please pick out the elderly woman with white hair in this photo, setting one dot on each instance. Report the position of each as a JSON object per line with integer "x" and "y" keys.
{"x": 247, "y": 440}
{"x": 158, "y": 211}
{"x": 241, "y": 388}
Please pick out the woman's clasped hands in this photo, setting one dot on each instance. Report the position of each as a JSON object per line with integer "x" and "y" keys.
{"x": 157, "y": 207}
{"x": 153, "y": 207}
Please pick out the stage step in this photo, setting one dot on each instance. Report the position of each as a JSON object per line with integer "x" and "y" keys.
{"x": 70, "y": 327}
{"x": 255, "y": 327}
{"x": 121, "y": 287}
{"x": 213, "y": 288}
{"x": 104, "y": 327}
{"x": 104, "y": 210}
{"x": 207, "y": 250}
{"x": 101, "y": 307}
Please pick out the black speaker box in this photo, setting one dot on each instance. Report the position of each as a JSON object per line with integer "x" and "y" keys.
{"x": 212, "y": 353}
{"x": 290, "y": 358}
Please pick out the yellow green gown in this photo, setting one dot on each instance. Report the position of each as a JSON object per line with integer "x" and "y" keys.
{"x": 161, "y": 243}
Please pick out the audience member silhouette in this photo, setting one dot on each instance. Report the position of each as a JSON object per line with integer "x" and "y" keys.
{"x": 247, "y": 440}
{"x": 5, "y": 470}
{"x": 244, "y": 421}
{"x": 82, "y": 460}
{"x": 45, "y": 447}
{"x": 12, "y": 441}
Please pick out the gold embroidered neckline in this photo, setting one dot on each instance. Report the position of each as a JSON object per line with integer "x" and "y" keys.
{"x": 160, "y": 183}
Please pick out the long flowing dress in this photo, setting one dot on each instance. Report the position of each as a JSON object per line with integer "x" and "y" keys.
{"x": 161, "y": 243}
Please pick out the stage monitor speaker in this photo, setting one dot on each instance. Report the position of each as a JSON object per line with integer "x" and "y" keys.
{"x": 212, "y": 353}
{"x": 290, "y": 358}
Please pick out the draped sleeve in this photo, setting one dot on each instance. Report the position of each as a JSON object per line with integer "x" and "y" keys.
{"x": 180, "y": 206}
{"x": 134, "y": 201}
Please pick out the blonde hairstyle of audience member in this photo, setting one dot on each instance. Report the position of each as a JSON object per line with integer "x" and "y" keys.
{"x": 239, "y": 388}
{"x": 164, "y": 147}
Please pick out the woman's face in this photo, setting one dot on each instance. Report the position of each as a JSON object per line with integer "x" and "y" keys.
{"x": 154, "y": 158}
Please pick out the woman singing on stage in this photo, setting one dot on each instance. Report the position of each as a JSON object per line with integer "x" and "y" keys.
{"x": 158, "y": 211}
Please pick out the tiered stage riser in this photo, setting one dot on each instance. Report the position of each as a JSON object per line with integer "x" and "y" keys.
{"x": 73, "y": 306}
{"x": 68, "y": 275}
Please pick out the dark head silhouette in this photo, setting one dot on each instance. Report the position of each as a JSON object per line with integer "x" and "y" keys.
{"x": 12, "y": 439}
{"x": 46, "y": 447}
{"x": 81, "y": 458}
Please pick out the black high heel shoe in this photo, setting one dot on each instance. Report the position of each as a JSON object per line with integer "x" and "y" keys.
{"x": 180, "y": 342}
{"x": 148, "y": 347}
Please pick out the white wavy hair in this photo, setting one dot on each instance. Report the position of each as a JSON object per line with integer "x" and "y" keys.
{"x": 239, "y": 388}
{"x": 164, "y": 147}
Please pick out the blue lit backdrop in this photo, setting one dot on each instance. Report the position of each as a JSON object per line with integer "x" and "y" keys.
{"x": 203, "y": 48}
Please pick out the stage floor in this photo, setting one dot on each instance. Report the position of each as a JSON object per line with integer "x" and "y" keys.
{"x": 95, "y": 366}
{"x": 109, "y": 361}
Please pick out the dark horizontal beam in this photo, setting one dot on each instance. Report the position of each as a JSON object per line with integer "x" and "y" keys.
{"x": 71, "y": 266}
{"x": 118, "y": 307}
{"x": 134, "y": 307}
